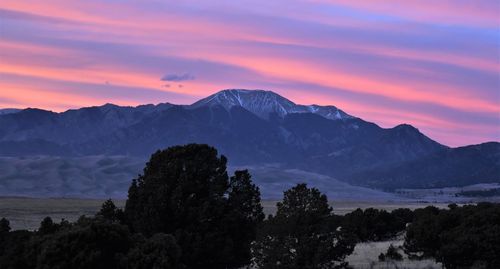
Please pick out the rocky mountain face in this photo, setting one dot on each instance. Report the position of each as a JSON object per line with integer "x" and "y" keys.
{"x": 266, "y": 104}
{"x": 250, "y": 128}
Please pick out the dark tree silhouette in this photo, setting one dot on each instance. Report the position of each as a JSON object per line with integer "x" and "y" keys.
{"x": 373, "y": 224}
{"x": 14, "y": 249}
{"x": 461, "y": 237}
{"x": 4, "y": 226}
{"x": 422, "y": 236}
{"x": 110, "y": 212}
{"x": 98, "y": 245}
{"x": 244, "y": 214}
{"x": 300, "y": 235}
{"x": 185, "y": 191}
{"x": 89, "y": 243}
{"x": 158, "y": 252}
{"x": 47, "y": 226}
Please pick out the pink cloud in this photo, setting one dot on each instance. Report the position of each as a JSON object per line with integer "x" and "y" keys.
{"x": 481, "y": 13}
{"x": 132, "y": 44}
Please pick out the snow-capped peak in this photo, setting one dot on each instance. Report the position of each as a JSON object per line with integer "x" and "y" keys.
{"x": 263, "y": 103}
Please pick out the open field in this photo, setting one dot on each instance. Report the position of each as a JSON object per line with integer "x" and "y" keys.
{"x": 365, "y": 256}
{"x": 26, "y": 213}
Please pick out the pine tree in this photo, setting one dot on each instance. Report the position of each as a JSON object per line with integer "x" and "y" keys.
{"x": 4, "y": 226}
{"x": 185, "y": 191}
{"x": 301, "y": 235}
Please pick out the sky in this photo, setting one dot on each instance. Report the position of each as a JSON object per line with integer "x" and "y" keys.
{"x": 432, "y": 64}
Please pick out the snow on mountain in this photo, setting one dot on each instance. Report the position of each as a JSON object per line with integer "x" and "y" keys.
{"x": 263, "y": 103}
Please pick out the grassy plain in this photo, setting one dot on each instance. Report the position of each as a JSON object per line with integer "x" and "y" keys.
{"x": 26, "y": 213}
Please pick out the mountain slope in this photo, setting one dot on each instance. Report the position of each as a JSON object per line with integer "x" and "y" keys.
{"x": 449, "y": 167}
{"x": 266, "y": 103}
{"x": 6, "y": 111}
{"x": 72, "y": 126}
{"x": 250, "y": 128}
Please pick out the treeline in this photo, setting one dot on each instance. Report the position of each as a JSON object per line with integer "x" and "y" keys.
{"x": 459, "y": 237}
{"x": 480, "y": 193}
{"x": 185, "y": 211}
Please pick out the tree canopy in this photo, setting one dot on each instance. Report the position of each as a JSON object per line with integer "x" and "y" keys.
{"x": 4, "y": 226}
{"x": 374, "y": 224}
{"x": 185, "y": 191}
{"x": 460, "y": 237}
{"x": 301, "y": 234}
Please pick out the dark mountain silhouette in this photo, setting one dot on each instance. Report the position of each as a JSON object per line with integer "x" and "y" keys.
{"x": 6, "y": 111}
{"x": 257, "y": 128}
{"x": 449, "y": 167}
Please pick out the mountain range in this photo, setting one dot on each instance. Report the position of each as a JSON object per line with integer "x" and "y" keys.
{"x": 257, "y": 128}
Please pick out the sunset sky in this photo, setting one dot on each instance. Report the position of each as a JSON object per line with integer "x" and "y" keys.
{"x": 432, "y": 64}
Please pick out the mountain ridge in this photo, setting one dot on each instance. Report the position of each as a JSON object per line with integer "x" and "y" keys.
{"x": 263, "y": 103}
{"x": 235, "y": 97}
{"x": 5, "y": 111}
{"x": 249, "y": 127}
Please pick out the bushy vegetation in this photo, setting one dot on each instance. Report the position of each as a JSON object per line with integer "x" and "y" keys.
{"x": 375, "y": 225}
{"x": 480, "y": 193}
{"x": 186, "y": 212}
{"x": 460, "y": 237}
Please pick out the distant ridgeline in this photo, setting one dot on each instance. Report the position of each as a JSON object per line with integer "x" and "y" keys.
{"x": 250, "y": 128}
{"x": 483, "y": 193}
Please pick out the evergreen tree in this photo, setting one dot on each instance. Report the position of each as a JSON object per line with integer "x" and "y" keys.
{"x": 374, "y": 225}
{"x": 461, "y": 237}
{"x": 97, "y": 245}
{"x": 15, "y": 249}
{"x": 110, "y": 212}
{"x": 300, "y": 235}
{"x": 47, "y": 226}
{"x": 4, "y": 226}
{"x": 158, "y": 252}
{"x": 244, "y": 214}
{"x": 185, "y": 191}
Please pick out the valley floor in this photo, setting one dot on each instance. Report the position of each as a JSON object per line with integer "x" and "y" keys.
{"x": 27, "y": 213}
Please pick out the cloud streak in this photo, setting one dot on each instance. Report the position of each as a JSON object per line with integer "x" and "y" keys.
{"x": 177, "y": 78}
{"x": 434, "y": 66}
